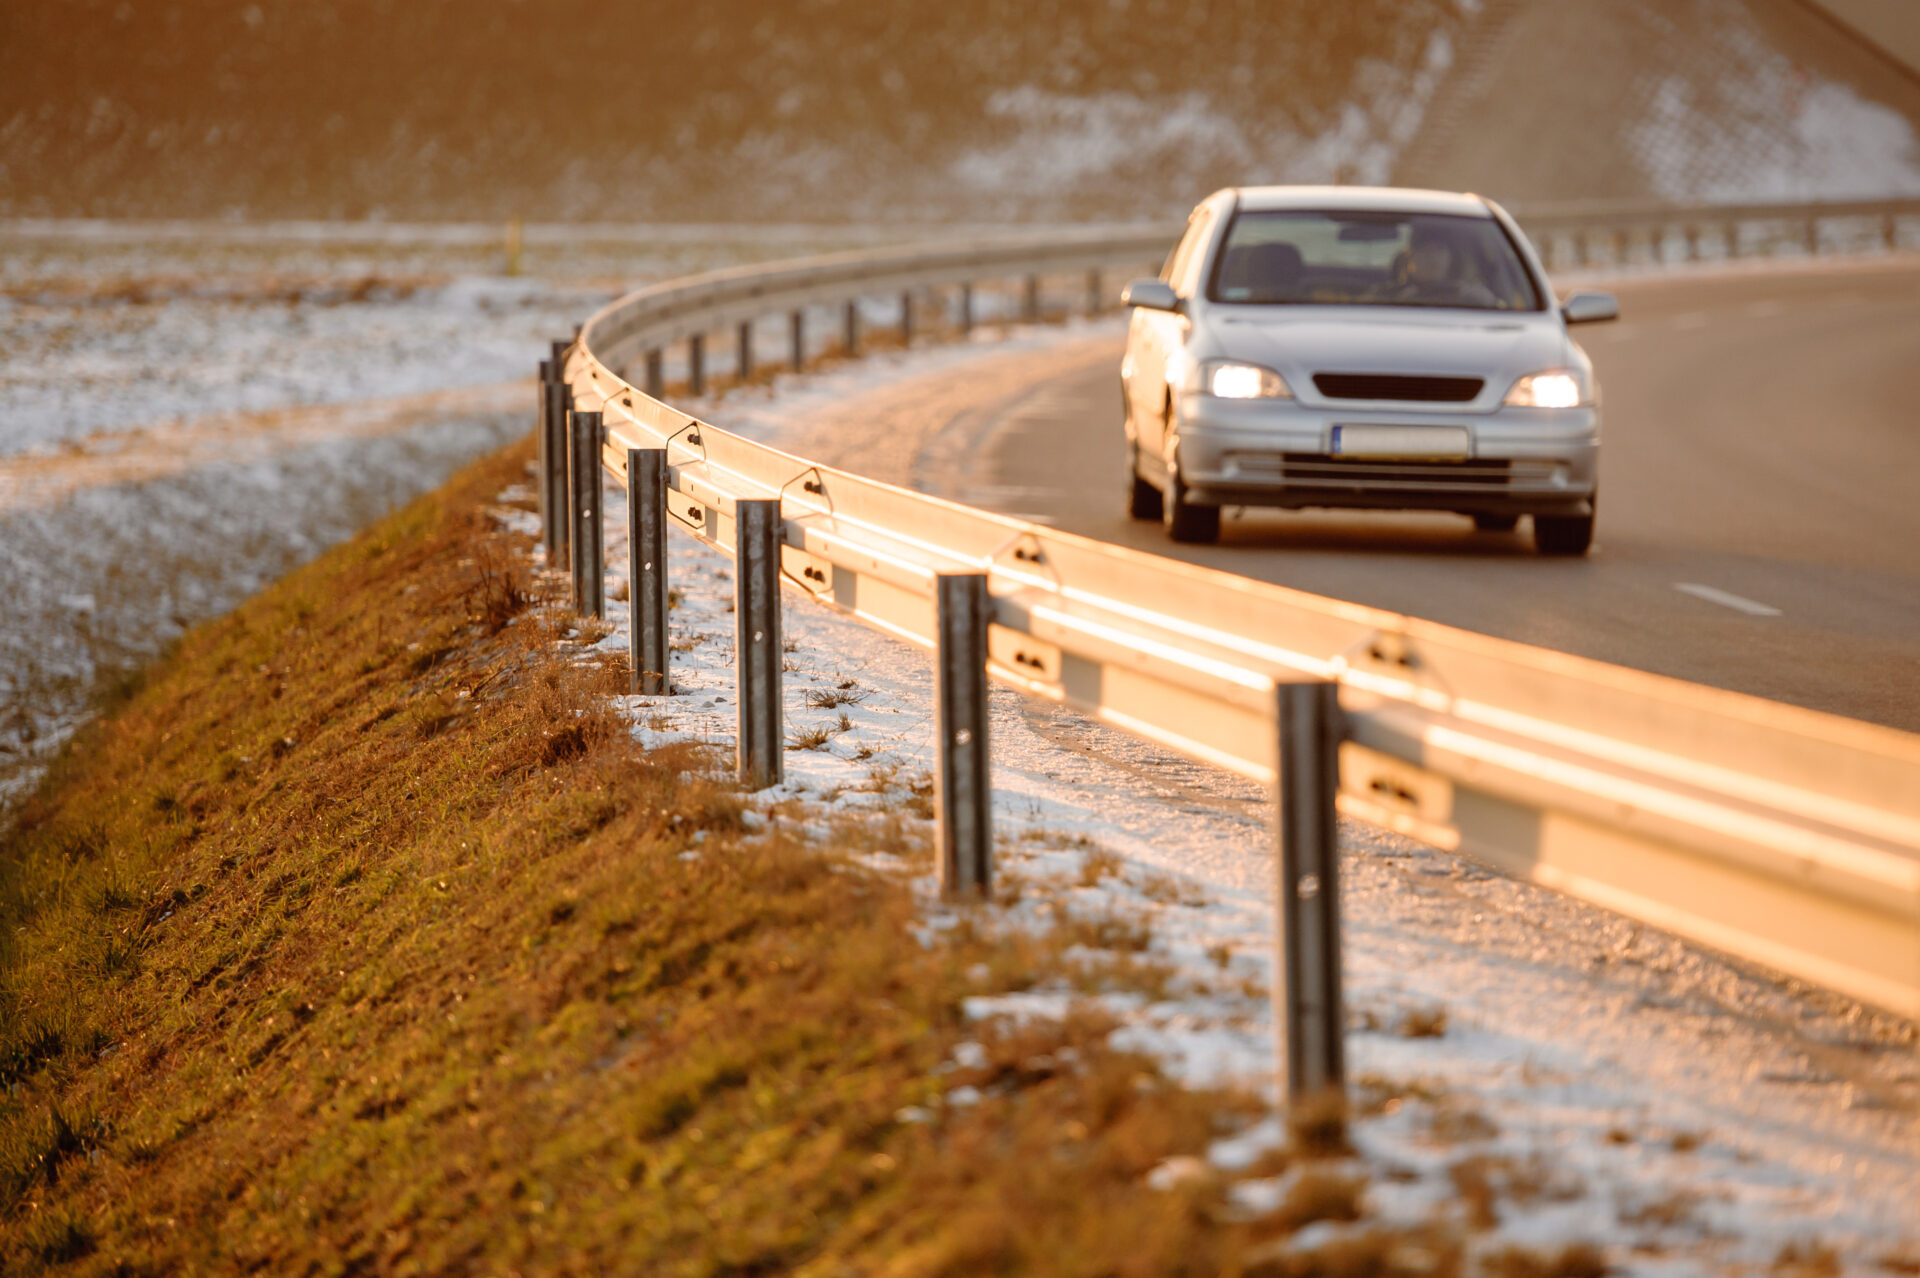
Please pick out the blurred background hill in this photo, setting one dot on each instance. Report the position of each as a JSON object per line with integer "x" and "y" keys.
{"x": 865, "y": 110}
{"x": 733, "y": 109}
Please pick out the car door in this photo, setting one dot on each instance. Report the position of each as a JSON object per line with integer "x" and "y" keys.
{"x": 1152, "y": 339}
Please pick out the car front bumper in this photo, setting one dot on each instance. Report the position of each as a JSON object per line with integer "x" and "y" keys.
{"x": 1520, "y": 461}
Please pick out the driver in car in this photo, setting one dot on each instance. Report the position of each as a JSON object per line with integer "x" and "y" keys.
{"x": 1433, "y": 271}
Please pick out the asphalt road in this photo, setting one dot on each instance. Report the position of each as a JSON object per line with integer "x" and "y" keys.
{"x": 1759, "y": 513}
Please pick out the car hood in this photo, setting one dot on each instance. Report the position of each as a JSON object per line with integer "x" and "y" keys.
{"x": 1298, "y": 342}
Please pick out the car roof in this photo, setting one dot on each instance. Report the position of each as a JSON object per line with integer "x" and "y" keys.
{"x": 1394, "y": 199}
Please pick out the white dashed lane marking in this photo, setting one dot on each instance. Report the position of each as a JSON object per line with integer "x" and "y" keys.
{"x": 1726, "y": 599}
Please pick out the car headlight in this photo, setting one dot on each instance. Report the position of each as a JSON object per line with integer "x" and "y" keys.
{"x": 1230, "y": 379}
{"x": 1557, "y": 388}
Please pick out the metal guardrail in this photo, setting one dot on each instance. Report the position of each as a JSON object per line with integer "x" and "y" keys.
{"x": 1609, "y": 234}
{"x": 1780, "y": 835}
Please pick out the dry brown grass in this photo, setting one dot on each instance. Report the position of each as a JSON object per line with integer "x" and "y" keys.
{"x": 1317, "y": 1126}
{"x": 1483, "y": 1181}
{"x": 363, "y": 937}
{"x": 1424, "y": 1022}
{"x": 1672, "y": 1208}
{"x": 1577, "y": 1260}
{"x": 1806, "y": 1258}
{"x": 1377, "y": 1252}
{"x": 1456, "y": 1122}
{"x": 834, "y": 698}
{"x": 1098, "y": 864}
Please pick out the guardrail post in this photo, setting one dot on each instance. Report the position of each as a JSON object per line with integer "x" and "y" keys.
{"x": 556, "y": 533}
{"x": 1732, "y": 233}
{"x": 647, "y": 653}
{"x": 1095, "y": 294}
{"x": 1031, "y": 308}
{"x": 1813, "y": 237}
{"x": 543, "y": 463}
{"x": 966, "y": 308}
{"x": 798, "y": 322}
{"x": 1580, "y": 255}
{"x": 1309, "y": 1021}
{"x": 589, "y": 538}
{"x": 756, "y": 610}
{"x": 906, "y": 318}
{"x": 963, "y": 792}
{"x": 656, "y": 374}
{"x": 851, "y": 337}
{"x": 697, "y": 364}
{"x": 744, "y": 361}
{"x": 1890, "y": 231}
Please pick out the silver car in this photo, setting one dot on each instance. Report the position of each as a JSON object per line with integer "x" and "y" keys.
{"x": 1360, "y": 347}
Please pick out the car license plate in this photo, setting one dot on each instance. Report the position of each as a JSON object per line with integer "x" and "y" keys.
{"x": 1425, "y": 442}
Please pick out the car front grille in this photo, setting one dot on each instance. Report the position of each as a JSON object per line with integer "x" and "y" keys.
{"x": 1311, "y": 470}
{"x": 1395, "y": 386}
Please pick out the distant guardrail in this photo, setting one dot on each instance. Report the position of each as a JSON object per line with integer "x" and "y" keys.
{"x": 1781, "y": 835}
{"x": 1587, "y": 235}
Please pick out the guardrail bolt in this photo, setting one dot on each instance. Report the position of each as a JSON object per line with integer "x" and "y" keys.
{"x": 647, "y": 654}
{"x": 1031, "y": 308}
{"x": 963, "y": 793}
{"x": 756, "y": 610}
{"x": 589, "y": 537}
{"x": 851, "y": 337}
{"x": 798, "y": 323}
{"x": 743, "y": 363}
{"x": 557, "y": 528}
{"x": 697, "y": 364}
{"x": 656, "y": 374}
{"x": 1309, "y": 1021}
{"x": 966, "y": 308}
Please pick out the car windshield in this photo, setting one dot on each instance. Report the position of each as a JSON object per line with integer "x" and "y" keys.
{"x": 1371, "y": 258}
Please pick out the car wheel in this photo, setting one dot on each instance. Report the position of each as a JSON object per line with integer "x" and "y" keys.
{"x": 1562, "y": 534}
{"x": 1143, "y": 499}
{"x": 1186, "y": 521}
{"x": 1496, "y": 523}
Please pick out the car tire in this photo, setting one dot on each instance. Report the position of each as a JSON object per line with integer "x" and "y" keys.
{"x": 1562, "y": 534}
{"x": 1143, "y": 499}
{"x": 1187, "y": 521}
{"x": 1495, "y": 523}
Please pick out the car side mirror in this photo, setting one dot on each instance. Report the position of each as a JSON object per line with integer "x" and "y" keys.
{"x": 1590, "y": 308}
{"x": 1150, "y": 294}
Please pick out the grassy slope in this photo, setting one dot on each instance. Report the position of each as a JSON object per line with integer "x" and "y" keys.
{"x": 359, "y": 938}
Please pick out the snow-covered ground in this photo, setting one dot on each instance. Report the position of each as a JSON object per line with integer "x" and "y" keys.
{"x": 188, "y": 410}
{"x": 1765, "y": 128}
{"x": 1684, "y": 1112}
